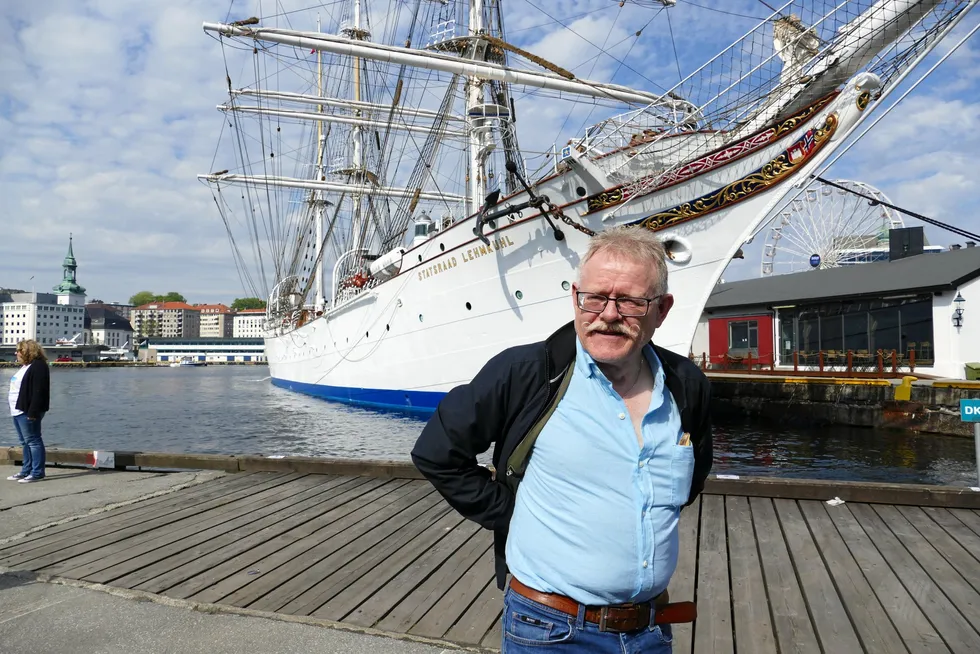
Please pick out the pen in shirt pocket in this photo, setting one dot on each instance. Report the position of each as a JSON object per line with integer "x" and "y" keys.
{"x": 685, "y": 439}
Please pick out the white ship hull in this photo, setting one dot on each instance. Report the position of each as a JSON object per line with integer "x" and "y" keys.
{"x": 455, "y": 303}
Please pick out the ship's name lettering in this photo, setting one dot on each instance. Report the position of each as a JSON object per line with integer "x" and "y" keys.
{"x": 437, "y": 268}
{"x": 483, "y": 250}
{"x": 467, "y": 255}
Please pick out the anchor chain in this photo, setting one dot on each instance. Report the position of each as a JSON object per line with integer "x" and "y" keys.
{"x": 568, "y": 221}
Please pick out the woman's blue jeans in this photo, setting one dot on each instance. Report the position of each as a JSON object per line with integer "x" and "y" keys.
{"x": 531, "y": 627}
{"x": 29, "y": 433}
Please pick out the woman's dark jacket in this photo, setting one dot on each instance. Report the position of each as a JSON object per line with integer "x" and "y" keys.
{"x": 503, "y": 402}
{"x": 35, "y": 390}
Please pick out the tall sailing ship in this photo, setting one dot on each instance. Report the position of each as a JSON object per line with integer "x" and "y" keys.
{"x": 378, "y": 195}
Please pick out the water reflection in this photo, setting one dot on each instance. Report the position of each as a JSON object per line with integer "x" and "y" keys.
{"x": 235, "y": 410}
{"x": 843, "y": 453}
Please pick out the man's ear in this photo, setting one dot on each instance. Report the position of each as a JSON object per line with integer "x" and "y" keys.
{"x": 666, "y": 302}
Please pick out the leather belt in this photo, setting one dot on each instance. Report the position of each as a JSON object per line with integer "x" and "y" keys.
{"x": 617, "y": 617}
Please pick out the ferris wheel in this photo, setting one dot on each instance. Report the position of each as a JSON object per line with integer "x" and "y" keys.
{"x": 827, "y": 227}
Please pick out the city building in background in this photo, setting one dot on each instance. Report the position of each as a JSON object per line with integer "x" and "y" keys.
{"x": 120, "y": 309}
{"x": 216, "y": 320}
{"x": 166, "y": 320}
{"x": 248, "y": 323}
{"x": 68, "y": 291}
{"x": 48, "y": 318}
{"x": 206, "y": 350}
{"x": 40, "y": 317}
{"x": 105, "y": 327}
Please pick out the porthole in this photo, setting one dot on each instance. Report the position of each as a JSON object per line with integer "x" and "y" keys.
{"x": 469, "y": 306}
{"x": 367, "y": 334}
{"x": 580, "y": 190}
{"x": 442, "y": 247}
{"x": 678, "y": 250}
{"x": 387, "y": 328}
{"x": 420, "y": 258}
{"x": 420, "y": 317}
{"x": 519, "y": 295}
{"x": 565, "y": 285}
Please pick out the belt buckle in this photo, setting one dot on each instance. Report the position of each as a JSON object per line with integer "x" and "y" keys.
{"x": 603, "y": 612}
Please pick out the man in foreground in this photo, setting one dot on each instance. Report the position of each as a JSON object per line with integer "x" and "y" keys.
{"x": 621, "y": 441}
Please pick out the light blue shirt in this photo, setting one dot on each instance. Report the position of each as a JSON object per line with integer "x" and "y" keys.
{"x": 595, "y": 517}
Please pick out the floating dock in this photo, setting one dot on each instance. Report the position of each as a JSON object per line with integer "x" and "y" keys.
{"x": 366, "y": 546}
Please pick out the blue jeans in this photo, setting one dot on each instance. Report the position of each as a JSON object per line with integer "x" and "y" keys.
{"x": 29, "y": 433}
{"x": 531, "y": 627}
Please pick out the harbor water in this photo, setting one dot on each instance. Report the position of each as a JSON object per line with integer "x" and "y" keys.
{"x": 236, "y": 410}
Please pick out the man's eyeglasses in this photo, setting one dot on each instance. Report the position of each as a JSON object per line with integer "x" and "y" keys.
{"x": 626, "y": 306}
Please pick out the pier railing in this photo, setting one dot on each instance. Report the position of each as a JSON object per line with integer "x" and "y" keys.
{"x": 881, "y": 364}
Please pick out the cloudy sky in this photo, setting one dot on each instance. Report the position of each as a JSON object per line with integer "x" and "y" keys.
{"x": 107, "y": 115}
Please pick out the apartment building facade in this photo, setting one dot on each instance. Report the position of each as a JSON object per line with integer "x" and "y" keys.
{"x": 217, "y": 320}
{"x": 248, "y": 323}
{"x": 166, "y": 320}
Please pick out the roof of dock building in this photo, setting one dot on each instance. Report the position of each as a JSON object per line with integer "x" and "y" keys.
{"x": 922, "y": 272}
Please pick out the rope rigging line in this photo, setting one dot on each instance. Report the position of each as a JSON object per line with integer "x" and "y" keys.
{"x": 242, "y": 154}
{"x": 630, "y": 68}
{"x": 925, "y": 219}
{"x": 722, "y": 11}
{"x": 673, "y": 43}
{"x": 595, "y": 62}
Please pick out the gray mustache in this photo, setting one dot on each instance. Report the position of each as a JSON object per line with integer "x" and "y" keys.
{"x": 615, "y": 327}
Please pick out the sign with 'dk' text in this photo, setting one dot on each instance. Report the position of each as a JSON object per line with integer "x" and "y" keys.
{"x": 970, "y": 410}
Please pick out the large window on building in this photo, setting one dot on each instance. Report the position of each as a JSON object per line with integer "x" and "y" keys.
{"x": 743, "y": 335}
{"x": 861, "y": 327}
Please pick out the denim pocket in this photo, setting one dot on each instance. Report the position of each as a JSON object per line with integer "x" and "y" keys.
{"x": 523, "y": 625}
{"x": 681, "y": 473}
{"x": 664, "y": 633}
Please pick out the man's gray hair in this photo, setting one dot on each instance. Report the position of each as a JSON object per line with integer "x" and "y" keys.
{"x": 637, "y": 244}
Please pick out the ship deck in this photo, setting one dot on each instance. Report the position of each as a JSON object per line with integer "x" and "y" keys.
{"x": 770, "y": 570}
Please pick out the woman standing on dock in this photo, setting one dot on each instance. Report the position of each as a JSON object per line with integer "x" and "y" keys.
{"x": 29, "y": 395}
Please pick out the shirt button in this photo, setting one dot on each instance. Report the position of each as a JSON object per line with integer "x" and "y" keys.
{"x": 644, "y": 564}
{"x": 622, "y": 416}
{"x": 641, "y": 464}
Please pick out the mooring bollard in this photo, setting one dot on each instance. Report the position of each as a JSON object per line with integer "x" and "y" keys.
{"x": 970, "y": 412}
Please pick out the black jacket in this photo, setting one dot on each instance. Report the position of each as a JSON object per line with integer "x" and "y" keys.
{"x": 500, "y": 405}
{"x": 35, "y": 390}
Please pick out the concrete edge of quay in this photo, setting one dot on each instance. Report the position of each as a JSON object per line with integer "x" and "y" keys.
{"x": 222, "y": 609}
{"x": 909, "y": 404}
{"x": 771, "y": 487}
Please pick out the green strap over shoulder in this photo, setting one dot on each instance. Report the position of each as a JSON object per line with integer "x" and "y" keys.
{"x": 517, "y": 462}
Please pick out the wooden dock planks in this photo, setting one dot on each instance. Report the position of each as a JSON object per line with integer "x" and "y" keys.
{"x": 769, "y": 575}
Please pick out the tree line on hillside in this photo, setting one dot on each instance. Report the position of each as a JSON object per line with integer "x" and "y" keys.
{"x": 148, "y": 297}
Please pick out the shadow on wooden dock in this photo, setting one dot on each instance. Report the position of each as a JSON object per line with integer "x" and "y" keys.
{"x": 769, "y": 574}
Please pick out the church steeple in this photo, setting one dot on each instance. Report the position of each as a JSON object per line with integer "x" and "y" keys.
{"x": 68, "y": 284}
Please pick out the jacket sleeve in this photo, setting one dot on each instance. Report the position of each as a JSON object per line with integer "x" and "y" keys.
{"x": 705, "y": 452}
{"x": 40, "y": 389}
{"x": 467, "y": 421}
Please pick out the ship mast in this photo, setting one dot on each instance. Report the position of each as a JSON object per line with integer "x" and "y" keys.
{"x": 318, "y": 194}
{"x": 480, "y": 143}
{"x": 357, "y": 34}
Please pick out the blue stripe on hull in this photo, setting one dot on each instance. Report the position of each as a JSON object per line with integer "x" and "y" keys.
{"x": 419, "y": 403}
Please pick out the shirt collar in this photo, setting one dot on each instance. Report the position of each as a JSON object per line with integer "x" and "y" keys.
{"x": 587, "y": 366}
